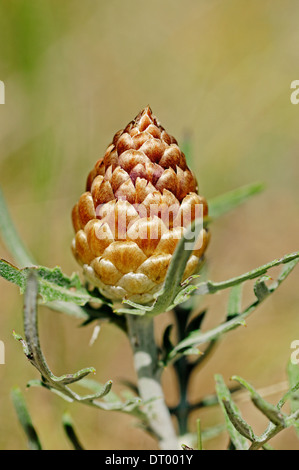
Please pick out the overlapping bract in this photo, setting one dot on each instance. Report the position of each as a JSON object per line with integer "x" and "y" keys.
{"x": 139, "y": 199}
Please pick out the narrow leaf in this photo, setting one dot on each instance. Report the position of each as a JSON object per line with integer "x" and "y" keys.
{"x": 25, "y": 419}
{"x": 220, "y": 205}
{"x": 97, "y": 389}
{"x": 69, "y": 429}
{"x": 209, "y": 287}
{"x": 101, "y": 392}
{"x": 11, "y": 238}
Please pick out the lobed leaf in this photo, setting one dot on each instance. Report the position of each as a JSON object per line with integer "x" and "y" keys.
{"x": 293, "y": 393}
{"x": 53, "y": 285}
{"x": 198, "y": 337}
{"x": 210, "y": 287}
{"x": 270, "y": 411}
{"x": 278, "y": 420}
{"x": 237, "y": 428}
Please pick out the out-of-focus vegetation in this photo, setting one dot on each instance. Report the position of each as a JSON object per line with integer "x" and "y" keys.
{"x": 216, "y": 72}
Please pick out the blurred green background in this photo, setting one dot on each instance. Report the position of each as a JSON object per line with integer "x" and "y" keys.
{"x": 218, "y": 71}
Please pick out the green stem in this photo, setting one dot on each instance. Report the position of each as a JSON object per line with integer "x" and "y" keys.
{"x": 182, "y": 369}
{"x": 141, "y": 334}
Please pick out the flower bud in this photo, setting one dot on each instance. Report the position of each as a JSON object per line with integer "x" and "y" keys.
{"x": 139, "y": 199}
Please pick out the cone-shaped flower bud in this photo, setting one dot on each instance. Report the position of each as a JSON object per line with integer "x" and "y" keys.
{"x": 139, "y": 199}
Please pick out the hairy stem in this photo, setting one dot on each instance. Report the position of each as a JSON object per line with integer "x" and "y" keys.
{"x": 141, "y": 334}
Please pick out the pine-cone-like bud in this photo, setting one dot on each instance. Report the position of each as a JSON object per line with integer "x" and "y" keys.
{"x": 139, "y": 199}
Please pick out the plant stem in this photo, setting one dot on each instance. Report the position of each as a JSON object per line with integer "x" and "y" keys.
{"x": 182, "y": 369}
{"x": 141, "y": 334}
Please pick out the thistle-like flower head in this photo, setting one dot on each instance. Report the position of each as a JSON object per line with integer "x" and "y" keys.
{"x": 139, "y": 199}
